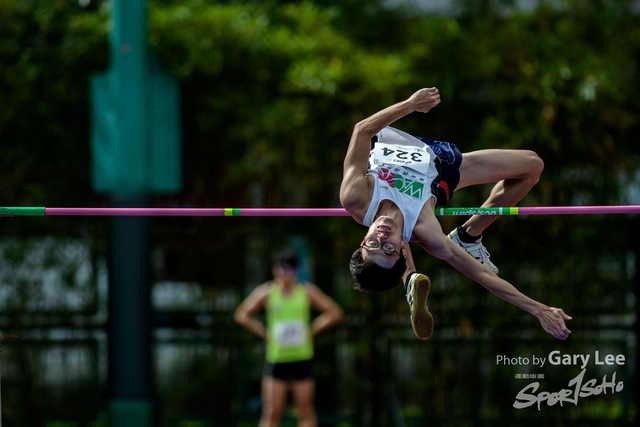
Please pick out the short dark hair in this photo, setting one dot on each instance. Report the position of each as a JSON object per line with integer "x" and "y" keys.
{"x": 286, "y": 259}
{"x": 370, "y": 277}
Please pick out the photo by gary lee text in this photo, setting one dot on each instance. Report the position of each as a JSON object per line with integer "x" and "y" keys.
{"x": 557, "y": 358}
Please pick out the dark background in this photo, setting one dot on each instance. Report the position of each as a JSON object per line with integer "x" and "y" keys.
{"x": 270, "y": 91}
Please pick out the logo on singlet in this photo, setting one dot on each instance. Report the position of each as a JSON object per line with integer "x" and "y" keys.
{"x": 403, "y": 184}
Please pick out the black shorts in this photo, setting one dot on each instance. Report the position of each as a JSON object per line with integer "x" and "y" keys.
{"x": 290, "y": 371}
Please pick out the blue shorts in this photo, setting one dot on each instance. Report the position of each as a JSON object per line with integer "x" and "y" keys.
{"x": 450, "y": 159}
{"x": 290, "y": 371}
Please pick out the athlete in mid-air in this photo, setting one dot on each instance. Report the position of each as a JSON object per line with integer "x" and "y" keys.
{"x": 392, "y": 182}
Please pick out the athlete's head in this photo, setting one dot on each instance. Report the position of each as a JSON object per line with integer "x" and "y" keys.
{"x": 379, "y": 263}
{"x": 285, "y": 266}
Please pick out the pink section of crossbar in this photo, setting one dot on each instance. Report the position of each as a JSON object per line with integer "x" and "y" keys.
{"x": 578, "y": 210}
{"x": 194, "y": 212}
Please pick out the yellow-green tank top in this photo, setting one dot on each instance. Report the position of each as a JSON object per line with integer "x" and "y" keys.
{"x": 287, "y": 319}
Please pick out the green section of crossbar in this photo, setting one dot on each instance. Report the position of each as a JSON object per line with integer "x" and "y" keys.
{"x": 19, "y": 211}
{"x": 476, "y": 211}
{"x": 232, "y": 212}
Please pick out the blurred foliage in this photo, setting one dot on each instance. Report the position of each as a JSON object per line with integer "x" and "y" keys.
{"x": 270, "y": 92}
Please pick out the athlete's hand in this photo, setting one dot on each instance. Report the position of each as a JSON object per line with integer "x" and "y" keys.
{"x": 425, "y": 99}
{"x": 552, "y": 320}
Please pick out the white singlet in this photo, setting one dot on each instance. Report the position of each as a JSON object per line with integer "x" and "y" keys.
{"x": 404, "y": 169}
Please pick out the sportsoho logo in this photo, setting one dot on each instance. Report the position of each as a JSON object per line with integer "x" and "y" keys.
{"x": 577, "y": 387}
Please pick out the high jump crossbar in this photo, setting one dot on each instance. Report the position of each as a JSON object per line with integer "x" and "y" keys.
{"x": 308, "y": 212}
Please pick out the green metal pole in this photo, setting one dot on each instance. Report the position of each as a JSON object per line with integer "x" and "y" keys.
{"x": 130, "y": 362}
{"x": 130, "y": 317}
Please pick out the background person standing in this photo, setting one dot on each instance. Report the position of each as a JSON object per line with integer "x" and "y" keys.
{"x": 288, "y": 332}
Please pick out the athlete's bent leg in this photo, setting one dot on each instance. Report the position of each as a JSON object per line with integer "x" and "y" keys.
{"x": 515, "y": 172}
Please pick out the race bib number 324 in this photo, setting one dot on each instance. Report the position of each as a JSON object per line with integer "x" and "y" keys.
{"x": 416, "y": 158}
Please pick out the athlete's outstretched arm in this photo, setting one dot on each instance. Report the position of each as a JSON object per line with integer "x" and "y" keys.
{"x": 437, "y": 244}
{"x": 552, "y": 319}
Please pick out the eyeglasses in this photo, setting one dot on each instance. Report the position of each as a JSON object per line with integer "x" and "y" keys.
{"x": 387, "y": 247}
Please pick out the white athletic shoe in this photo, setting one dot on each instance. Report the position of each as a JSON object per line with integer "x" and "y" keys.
{"x": 418, "y": 287}
{"x": 476, "y": 250}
